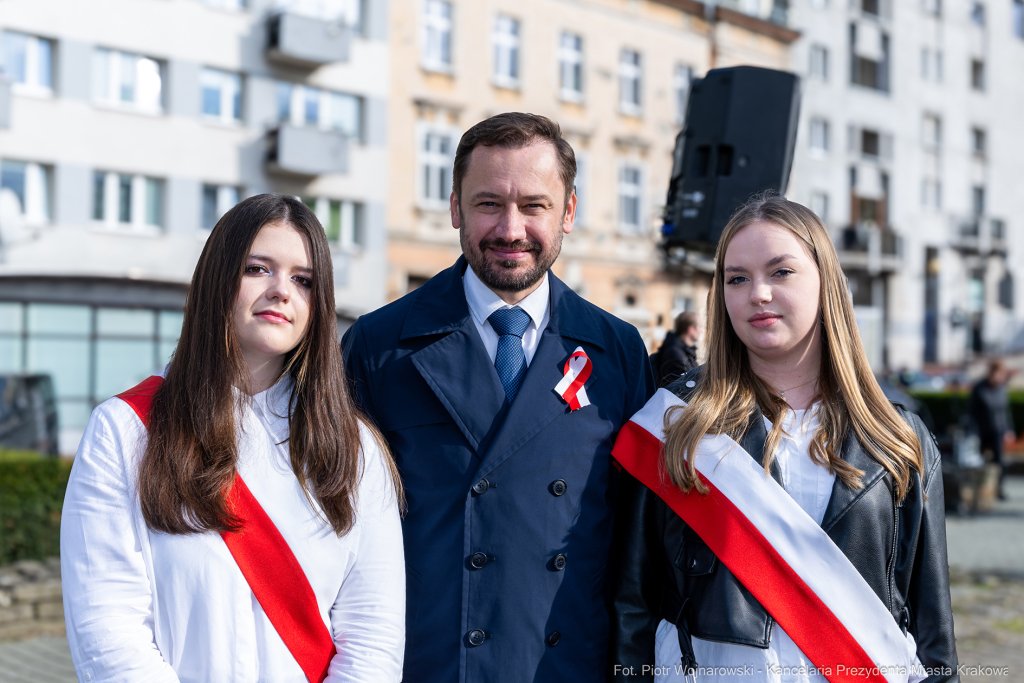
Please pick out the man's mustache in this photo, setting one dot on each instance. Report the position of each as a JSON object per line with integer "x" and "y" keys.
{"x": 517, "y": 245}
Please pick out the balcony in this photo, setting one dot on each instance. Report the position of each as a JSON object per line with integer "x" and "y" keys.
{"x": 978, "y": 235}
{"x": 306, "y": 151}
{"x": 870, "y": 247}
{"x": 308, "y": 42}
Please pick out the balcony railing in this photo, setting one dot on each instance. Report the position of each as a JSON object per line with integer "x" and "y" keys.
{"x": 858, "y": 238}
{"x": 307, "y": 151}
{"x": 306, "y": 41}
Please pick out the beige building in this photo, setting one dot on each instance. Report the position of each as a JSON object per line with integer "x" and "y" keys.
{"x": 614, "y": 73}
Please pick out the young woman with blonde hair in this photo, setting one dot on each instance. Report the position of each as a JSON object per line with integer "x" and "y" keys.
{"x": 791, "y": 525}
{"x": 236, "y": 520}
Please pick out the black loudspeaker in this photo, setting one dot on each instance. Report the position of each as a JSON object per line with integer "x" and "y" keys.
{"x": 739, "y": 136}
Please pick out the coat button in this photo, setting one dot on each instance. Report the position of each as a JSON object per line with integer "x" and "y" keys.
{"x": 558, "y": 487}
{"x": 478, "y": 560}
{"x": 559, "y": 562}
{"x": 477, "y": 637}
{"x": 693, "y": 563}
{"x": 553, "y": 638}
{"x": 481, "y": 486}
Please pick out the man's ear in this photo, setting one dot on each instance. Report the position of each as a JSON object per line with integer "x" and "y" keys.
{"x": 453, "y": 206}
{"x": 569, "y": 217}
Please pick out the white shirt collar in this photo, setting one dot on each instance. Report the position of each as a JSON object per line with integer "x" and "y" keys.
{"x": 483, "y": 301}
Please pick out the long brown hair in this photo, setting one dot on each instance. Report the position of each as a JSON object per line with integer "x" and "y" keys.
{"x": 728, "y": 390}
{"x": 192, "y": 451}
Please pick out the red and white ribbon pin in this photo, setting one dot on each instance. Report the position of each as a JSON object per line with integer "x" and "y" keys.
{"x": 577, "y": 370}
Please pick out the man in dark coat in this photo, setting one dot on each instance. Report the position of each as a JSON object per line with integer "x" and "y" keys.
{"x": 677, "y": 355}
{"x": 989, "y": 409}
{"x": 509, "y": 481}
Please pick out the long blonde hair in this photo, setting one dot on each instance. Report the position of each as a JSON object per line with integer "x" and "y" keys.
{"x": 728, "y": 390}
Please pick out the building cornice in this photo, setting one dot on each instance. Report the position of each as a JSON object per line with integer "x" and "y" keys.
{"x": 723, "y": 14}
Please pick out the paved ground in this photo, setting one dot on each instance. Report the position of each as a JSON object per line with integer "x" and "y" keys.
{"x": 986, "y": 556}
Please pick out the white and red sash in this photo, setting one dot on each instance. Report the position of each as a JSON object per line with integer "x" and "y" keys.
{"x": 267, "y": 563}
{"x": 785, "y": 559}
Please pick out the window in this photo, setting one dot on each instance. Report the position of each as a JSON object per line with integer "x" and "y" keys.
{"x": 869, "y": 143}
{"x": 1018, "y": 18}
{"x": 630, "y": 198}
{"x": 437, "y": 154}
{"x": 869, "y": 6}
{"x": 819, "y": 138}
{"x": 819, "y": 62}
{"x": 979, "y": 141}
{"x": 931, "y": 194}
{"x": 977, "y": 13}
{"x": 932, "y": 7}
{"x": 217, "y": 200}
{"x": 125, "y": 79}
{"x": 681, "y": 81}
{"x": 819, "y": 205}
{"x": 221, "y": 94}
{"x": 30, "y": 183}
{"x": 630, "y": 82}
{"x": 869, "y": 58}
{"x": 91, "y": 352}
{"x": 27, "y": 61}
{"x": 931, "y": 65}
{"x": 570, "y": 67}
{"x": 437, "y": 35}
{"x": 978, "y": 200}
{"x": 302, "y": 105}
{"x": 978, "y": 75}
{"x": 506, "y": 51}
{"x": 121, "y": 199}
{"x": 341, "y": 219}
{"x": 931, "y": 132}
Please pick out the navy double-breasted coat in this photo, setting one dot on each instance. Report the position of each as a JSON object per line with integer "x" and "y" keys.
{"x": 509, "y": 516}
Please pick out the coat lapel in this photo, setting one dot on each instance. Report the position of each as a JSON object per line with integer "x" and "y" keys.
{"x": 843, "y": 497}
{"x": 456, "y": 366}
{"x": 537, "y": 404}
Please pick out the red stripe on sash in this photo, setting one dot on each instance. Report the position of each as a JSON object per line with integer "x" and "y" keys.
{"x": 267, "y": 563}
{"x": 751, "y": 558}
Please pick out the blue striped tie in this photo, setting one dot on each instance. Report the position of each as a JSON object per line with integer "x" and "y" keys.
{"x": 510, "y": 360}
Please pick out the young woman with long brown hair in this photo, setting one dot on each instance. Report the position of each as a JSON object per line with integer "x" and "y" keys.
{"x": 238, "y": 521}
{"x": 769, "y": 487}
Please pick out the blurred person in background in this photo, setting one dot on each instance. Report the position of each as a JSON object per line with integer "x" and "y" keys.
{"x": 989, "y": 410}
{"x": 677, "y": 354}
{"x": 237, "y": 520}
{"x": 777, "y": 515}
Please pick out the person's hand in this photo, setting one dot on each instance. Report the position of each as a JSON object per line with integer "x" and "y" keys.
{"x": 1009, "y": 437}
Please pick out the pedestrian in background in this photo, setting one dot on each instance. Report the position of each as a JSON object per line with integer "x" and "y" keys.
{"x": 500, "y": 392}
{"x": 237, "y": 520}
{"x": 989, "y": 411}
{"x": 677, "y": 354}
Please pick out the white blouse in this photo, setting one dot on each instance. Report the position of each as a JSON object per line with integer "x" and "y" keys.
{"x": 145, "y": 605}
{"x": 810, "y": 485}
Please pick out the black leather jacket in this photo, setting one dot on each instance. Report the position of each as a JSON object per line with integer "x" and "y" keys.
{"x": 664, "y": 571}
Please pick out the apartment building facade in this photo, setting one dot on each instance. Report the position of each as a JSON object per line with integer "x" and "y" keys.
{"x": 910, "y": 146}
{"x": 615, "y": 74}
{"x": 128, "y": 127}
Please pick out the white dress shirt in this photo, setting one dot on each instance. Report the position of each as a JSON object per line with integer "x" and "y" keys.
{"x": 144, "y": 605}
{"x": 483, "y": 301}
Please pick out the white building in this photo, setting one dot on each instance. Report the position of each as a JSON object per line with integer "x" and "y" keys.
{"x": 128, "y": 127}
{"x": 911, "y": 147}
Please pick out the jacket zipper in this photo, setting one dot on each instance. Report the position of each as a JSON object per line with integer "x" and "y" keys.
{"x": 896, "y": 505}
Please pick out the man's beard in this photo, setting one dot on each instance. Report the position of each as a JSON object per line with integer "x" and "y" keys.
{"x": 508, "y": 275}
